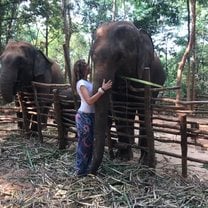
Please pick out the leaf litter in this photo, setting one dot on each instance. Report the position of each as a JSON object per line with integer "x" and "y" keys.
{"x": 40, "y": 175}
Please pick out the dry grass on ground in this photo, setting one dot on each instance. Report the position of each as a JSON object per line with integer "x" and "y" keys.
{"x": 39, "y": 175}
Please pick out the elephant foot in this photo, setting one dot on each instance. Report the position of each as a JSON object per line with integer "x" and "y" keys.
{"x": 31, "y": 134}
{"x": 111, "y": 154}
{"x": 34, "y": 127}
{"x": 44, "y": 126}
{"x": 20, "y": 125}
{"x": 125, "y": 154}
{"x": 111, "y": 145}
{"x": 144, "y": 160}
{"x": 64, "y": 144}
{"x": 64, "y": 141}
{"x": 28, "y": 134}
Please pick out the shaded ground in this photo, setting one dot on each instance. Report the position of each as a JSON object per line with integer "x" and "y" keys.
{"x": 39, "y": 175}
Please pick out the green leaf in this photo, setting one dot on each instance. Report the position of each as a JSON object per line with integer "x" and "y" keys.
{"x": 141, "y": 81}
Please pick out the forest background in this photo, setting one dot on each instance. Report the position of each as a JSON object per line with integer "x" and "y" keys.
{"x": 65, "y": 28}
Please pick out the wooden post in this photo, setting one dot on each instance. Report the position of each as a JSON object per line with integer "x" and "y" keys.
{"x": 39, "y": 124}
{"x": 148, "y": 119}
{"x": 58, "y": 118}
{"x": 24, "y": 113}
{"x": 184, "y": 147}
{"x": 68, "y": 69}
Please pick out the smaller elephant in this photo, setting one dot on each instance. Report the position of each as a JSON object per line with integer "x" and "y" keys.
{"x": 20, "y": 64}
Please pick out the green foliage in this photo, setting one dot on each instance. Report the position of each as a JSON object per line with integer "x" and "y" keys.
{"x": 141, "y": 81}
{"x": 41, "y": 23}
{"x": 43, "y": 15}
{"x": 99, "y": 12}
{"x": 8, "y": 20}
{"x": 151, "y": 15}
{"x": 79, "y": 47}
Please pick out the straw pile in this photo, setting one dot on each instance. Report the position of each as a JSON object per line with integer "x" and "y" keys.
{"x": 39, "y": 175}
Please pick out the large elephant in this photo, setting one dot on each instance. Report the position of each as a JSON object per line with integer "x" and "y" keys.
{"x": 21, "y": 63}
{"x": 120, "y": 49}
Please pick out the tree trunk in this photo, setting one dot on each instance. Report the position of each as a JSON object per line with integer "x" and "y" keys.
{"x": 114, "y": 10}
{"x": 190, "y": 80}
{"x": 46, "y": 36}
{"x": 189, "y": 47}
{"x": 188, "y": 77}
{"x": 67, "y": 33}
{"x": 66, "y": 46}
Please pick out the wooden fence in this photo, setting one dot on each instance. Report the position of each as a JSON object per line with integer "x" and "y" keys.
{"x": 8, "y": 118}
{"x": 184, "y": 120}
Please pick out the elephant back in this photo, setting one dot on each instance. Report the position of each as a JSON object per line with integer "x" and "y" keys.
{"x": 57, "y": 74}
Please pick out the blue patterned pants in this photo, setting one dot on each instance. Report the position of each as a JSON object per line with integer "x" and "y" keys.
{"x": 85, "y": 134}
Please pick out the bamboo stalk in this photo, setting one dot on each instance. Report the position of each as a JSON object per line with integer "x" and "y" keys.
{"x": 39, "y": 84}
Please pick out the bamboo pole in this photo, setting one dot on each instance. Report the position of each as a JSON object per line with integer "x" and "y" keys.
{"x": 148, "y": 120}
{"x": 38, "y": 114}
{"x": 58, "y": 118}
{"x": 24, "y": 111}
{"x": 46, "y": 85}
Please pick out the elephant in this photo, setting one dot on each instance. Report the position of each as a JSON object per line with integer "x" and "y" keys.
{"x": 121, "y": 50}
{"x": 20, "y": 64}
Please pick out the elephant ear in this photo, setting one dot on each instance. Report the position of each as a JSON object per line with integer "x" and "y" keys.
{"x": 42, "y": 67}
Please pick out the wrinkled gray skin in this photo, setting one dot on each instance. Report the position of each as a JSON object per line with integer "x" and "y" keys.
{"x": 120, "y": 49}
{"x": 21, "y": 63}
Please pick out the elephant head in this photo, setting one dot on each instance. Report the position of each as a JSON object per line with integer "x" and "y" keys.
{"x": 120, "y": 49}
{"x": 21, "y": 63}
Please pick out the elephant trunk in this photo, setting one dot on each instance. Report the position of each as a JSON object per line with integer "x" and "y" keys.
{"x": 101, "y": 114}
{"x": 101, "y": 119}
{"x": 7, "y": 87}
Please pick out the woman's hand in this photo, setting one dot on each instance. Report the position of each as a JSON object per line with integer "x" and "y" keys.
{"x": 92, "y": 99}
{"x": 107, "y": 85}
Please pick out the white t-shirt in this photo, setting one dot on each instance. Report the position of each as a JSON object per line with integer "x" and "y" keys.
{"x": 84, "y": 107}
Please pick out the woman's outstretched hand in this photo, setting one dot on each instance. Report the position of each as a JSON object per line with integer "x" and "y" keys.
{"x": 106, "y": 85}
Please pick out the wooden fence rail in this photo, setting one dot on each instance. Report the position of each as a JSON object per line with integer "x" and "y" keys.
{"x": 167, "y": 118}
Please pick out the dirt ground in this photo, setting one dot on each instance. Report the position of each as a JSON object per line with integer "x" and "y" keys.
{"x": 195, "y": 168}
{"x": 31, "y": 174}
{"x": 198, "y": 152}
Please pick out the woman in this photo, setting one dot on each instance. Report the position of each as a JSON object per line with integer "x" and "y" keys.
{"x": 85, "y": 115}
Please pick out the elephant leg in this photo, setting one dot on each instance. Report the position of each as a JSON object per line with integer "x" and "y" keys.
{"x": 143, "y": 140}
{"x": 63, "y": 143}
{"x": 19, "y": 115}
{"x": 34, "y": 123}
{"x": 18, "y": 103}
{"x": 22, "y": 115}
{"x": 44, "y": 109}
{"x": 125, "y": 131}
{"x": 22, "y": 124}
{"x": 44, "y": 117}
{"x": 109, "y": 141}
